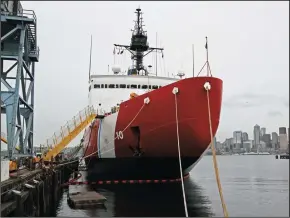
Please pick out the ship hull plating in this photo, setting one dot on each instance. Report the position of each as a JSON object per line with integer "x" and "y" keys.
{"x": 141, "y": 141}
{"x": 138, "y": 168}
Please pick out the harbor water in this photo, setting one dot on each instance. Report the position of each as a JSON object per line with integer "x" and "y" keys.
{"x": 252, "y": 186}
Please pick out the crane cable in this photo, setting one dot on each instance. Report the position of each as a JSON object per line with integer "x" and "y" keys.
{"x": 175, "y": 91}
{"x": 207, "y": 87}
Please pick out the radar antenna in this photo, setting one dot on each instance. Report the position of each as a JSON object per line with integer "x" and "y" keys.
{"x": 139, "y": 46}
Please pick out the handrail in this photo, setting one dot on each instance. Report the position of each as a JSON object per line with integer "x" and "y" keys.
{"x": 68, "y": 129}
{"x": 25, "y": 13}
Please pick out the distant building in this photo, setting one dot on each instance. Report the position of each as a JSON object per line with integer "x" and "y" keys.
{"x": 245, "y": 136}
{"x": 283, "y": 139}
{"x": 267, "y": 139}
{"x": 262, "y": 147}
{"x": 237, "y": 135}
{"x": 248, "y": 145}
{"x": 256, "y": 136}
{"x": 227, "y": 144}
{"x": 263, "y": 131}
{"x": 218, "y": 146}
{"x": 275, "y": 140}
{"x": 283, "y": 142}
{"x": 282, "y": 130}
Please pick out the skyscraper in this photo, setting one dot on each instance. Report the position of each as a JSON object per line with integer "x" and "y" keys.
{"x": 267, "y": 139}
{"x": 283, "y": 141}
{"x": 263, "y": 131}
{"x": 237, "y": 135}
{"x": 282, "y": 130}
{"x": 245, "y": 136}
{"x": 274, "y": 140}
{"x": 256, "y": 135}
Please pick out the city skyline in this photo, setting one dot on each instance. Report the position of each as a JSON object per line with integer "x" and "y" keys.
{"x": 251, "y": 136}
{"x": 262, "y": 141}
{"x": 223, "y": 137}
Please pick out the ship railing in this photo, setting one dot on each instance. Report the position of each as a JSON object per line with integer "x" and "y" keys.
{"x": 69, "y": 127}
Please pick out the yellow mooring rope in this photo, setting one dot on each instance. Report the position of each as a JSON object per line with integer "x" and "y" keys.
{"x": 207, "y": 88}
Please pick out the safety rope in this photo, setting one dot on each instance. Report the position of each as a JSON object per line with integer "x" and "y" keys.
{"x": 146, "y": 101}
{"x": 175, "y": 91}
{"x": 207, "y": 88}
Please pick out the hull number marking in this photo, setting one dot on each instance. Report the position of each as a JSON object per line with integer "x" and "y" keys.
{"x": 119, "y": 135}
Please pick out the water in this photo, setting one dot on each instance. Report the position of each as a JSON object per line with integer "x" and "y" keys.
{"x": 252, "y": 186}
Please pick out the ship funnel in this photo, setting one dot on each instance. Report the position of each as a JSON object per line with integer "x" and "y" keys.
{"x": 116, "y": 69}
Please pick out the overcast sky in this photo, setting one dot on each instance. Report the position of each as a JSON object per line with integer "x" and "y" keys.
{"x": 248, "y": 49}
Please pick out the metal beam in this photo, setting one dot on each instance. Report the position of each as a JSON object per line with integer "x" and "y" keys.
{"x": 9, "y": 34}
{"x": 17, "y": 103}
{"x": 11, "y": 68}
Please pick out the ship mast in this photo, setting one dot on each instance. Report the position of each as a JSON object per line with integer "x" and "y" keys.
{"x": 139, "y": 46}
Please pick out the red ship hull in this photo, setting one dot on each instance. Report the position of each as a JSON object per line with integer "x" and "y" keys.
{"x": 153, "y": 127}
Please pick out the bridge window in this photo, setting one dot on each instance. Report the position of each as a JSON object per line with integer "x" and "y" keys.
{"x": 139, "y": 86}
{"x": 128, "y": 86}
{"x": 154, "y": 87}
{"x": 102, "y": 86}
{"x": 149, "y": 86}
{"x": 106, "y": 86}
{"x": 117, "y": 85}
{"x": 133, "y": 86}
{"x": 122, "y": 86}
{"x": 111, "y": 86}
{"x": 160, "y": 86}
{"x": 144, "y": 86}
{"x": 97, "y": 86}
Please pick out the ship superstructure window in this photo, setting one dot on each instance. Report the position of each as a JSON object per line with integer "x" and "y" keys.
{"x": 124, "y": 86}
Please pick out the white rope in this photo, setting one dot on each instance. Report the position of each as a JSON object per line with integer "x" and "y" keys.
{"x": 179, "y": 158}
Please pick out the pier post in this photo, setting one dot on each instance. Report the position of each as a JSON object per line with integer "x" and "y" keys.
{"x": 19, "y": 210}
{"x": 37, "y": 203}
{"x": 41, "y": 198}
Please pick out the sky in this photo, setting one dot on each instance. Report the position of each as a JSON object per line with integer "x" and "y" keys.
{"x": 248, "y": 49}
